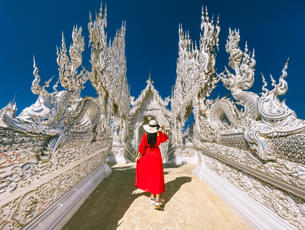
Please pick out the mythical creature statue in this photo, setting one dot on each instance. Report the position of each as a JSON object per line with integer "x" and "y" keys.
{"x": 55, "y": 115}
{"x": 266, "y": 125}
{"x": 243, "y": 64}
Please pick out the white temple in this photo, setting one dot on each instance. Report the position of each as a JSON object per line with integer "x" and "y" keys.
{"x": 56, "y": 151}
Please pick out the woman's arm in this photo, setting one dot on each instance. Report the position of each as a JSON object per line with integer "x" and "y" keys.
{"x": 142, "y": 145}
{"x": 138, "y": 156}
{"x": 163, "y": 135}
{"x": 141, "y": 148}
{"x": 164, "y": 130}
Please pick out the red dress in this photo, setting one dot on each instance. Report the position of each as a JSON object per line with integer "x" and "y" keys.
{"x": 149, "y": 170}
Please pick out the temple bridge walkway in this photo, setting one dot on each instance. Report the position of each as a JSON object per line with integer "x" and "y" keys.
{"x": 190, "y": 204}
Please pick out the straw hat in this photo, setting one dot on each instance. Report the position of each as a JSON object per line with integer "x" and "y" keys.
{"x": 151, "y": 127}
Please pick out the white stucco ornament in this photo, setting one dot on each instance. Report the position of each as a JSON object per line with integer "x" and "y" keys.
{"x": 252, "y": 140}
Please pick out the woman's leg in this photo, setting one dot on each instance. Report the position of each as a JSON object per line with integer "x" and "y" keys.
{"x": 152, "y": 198}
{"x": 158, "y": 199}
{"x": 158, "y": 203}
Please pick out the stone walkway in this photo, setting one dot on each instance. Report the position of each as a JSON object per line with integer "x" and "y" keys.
{"x": 190, "y": 205}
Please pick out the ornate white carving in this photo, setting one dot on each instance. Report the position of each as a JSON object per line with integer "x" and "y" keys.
{"x": 68, "y": 75}
{"x": 195, "y": 74}
{"x": 264, "y": 117}
{"x": 108, "y": 76}
{"x": 62, "y": 137}
{"x": 9, "y": 110}
{"x": 287, "y": 206}
{"x": 243, "y": 64}
{"x": 265, "y": 138}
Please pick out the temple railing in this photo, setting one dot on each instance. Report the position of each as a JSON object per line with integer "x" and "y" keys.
{"x": 29, "y": 184}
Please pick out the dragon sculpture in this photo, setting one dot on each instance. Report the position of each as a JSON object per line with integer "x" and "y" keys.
{"x": 55, "y": 116}
{"x": 266, "y": 125}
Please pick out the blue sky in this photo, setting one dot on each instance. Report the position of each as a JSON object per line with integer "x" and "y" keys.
{"x": 275, "y": 29}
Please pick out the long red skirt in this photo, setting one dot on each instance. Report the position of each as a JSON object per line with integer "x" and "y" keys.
{"x": 149, "y": 170}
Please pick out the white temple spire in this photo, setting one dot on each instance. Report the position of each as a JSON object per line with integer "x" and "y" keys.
{"x": 36, "y": 82}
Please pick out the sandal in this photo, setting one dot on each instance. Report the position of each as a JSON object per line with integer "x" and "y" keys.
{"x": 157, "y": 205}
{"x": 152, "y": 200}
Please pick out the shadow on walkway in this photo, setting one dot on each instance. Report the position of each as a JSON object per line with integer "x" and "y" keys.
{"x": 108, "y": 203}
{"x": 173, "y": 186}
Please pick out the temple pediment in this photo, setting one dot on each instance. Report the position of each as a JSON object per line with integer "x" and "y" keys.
{"x": 150, "y": 98}
{"x": 148, "y": 105}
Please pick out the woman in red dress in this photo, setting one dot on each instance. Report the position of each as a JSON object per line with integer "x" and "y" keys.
{"x": 149, "y": 169}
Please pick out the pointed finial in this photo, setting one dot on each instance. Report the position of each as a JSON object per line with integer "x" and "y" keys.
{"x": 35, "y": 84}
{"x": 206, "y": 13}
{"x": 149, "y": 81}
{"x": 56, "y": 85}
{"x": 100, "y": 14}
{"x": 35, "y": 71}
{"x": 246, "y": 47}
{"x": 284, "y": 70}
{"x": 90, "y": 16}
{"x": 105, "y": 15}
{"x": 47, "y": 83}
{"x": 14, "y": 98}
{"x": 34, "y": 62}
{"x": 273, "y": 83}
{"x": 264, "y": 84}
{"x": 180, "y": 29}
{"x": 124, "y": 24}
{"x": 63, "y": 42}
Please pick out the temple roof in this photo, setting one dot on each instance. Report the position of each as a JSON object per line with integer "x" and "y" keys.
{"x": 136, "y": 104}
